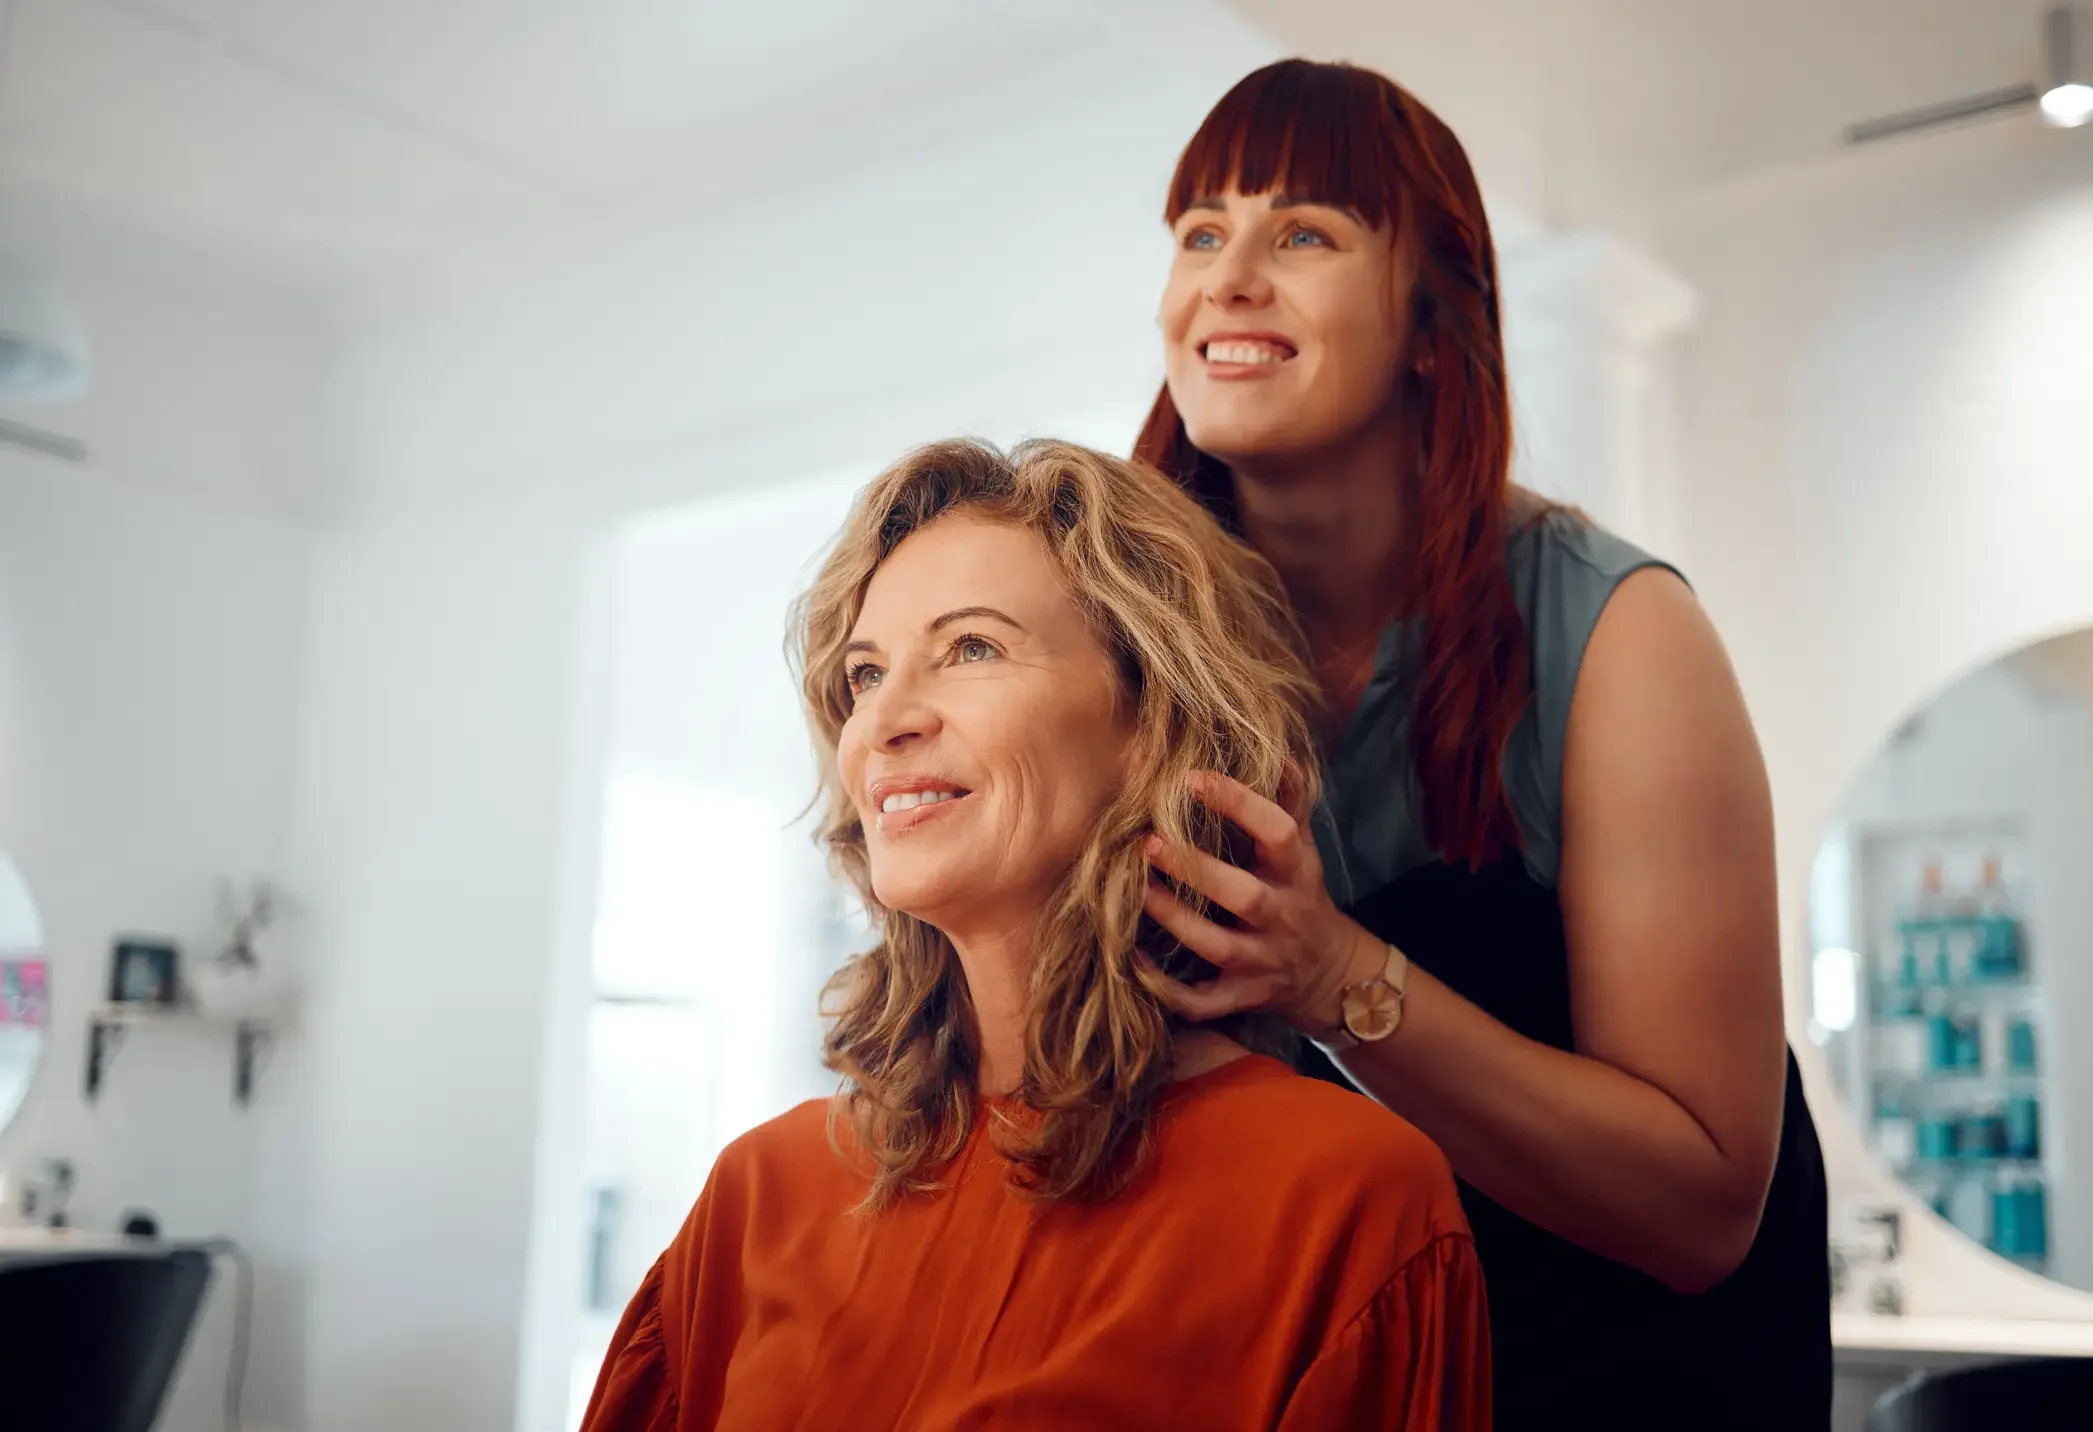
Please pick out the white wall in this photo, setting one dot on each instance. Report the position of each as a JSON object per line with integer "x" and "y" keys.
{"x": 1885, "y": 479}
{"x": 430, "y": 837}
{"x": 616, "y": 358}
{"x": 151, "y": 613}
{"x": 21, "y": 931}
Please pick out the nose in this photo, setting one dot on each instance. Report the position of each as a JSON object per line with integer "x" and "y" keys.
{"x": 902, "y": 712}
{"x": 1237, "y": 278}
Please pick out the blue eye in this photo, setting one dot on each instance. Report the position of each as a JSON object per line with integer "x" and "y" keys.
{"x": 1305, "y": 238}
{"x": 860, "y": 675}
{"x": 1203, "y": 240}
{"x": 967, "y": 644}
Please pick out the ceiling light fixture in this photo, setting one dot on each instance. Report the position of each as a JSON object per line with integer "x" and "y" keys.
{"x": 2064, "y": 97}
{"x": 2067, "y": 97}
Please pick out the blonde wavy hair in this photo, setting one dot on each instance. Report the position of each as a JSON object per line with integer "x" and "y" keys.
{"x": 1210, "y": 662}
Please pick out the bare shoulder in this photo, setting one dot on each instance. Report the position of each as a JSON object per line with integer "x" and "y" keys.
{"x": 1653, "y": 635}
{"x": 1659, "y": 730}
{"x": 1658, "y": 725}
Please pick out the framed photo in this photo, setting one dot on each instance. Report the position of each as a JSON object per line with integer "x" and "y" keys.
{"x": 144, "y": 972}
{"x": 24, "y": 989}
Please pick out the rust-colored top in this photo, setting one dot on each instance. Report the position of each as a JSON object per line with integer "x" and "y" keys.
{"x": 1294, "y": 1257}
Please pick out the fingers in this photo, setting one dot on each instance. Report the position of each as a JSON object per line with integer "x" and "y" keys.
{"x": 1200, "y": 1002}
{"x": 1218, "y": 947}
{"x": 1293, "y": 795}
{"x": 1277, "y": 833}
{"x": 1235, "y": 890}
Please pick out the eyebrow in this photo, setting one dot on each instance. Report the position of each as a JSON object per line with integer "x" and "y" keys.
{"x": 957, "y": 614}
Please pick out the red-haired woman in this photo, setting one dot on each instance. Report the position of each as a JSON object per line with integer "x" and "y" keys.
{"x": 1543, "y": 788}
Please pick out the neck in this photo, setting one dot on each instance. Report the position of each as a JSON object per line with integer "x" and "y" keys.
{"x": 998, "y": 970}
{"x": 997, "y": 964}
{"x": 1330, "y": 522}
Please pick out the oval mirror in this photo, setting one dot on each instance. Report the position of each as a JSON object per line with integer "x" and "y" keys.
{"x": 1951, "y": 914}
{"x": 24, "y": 990}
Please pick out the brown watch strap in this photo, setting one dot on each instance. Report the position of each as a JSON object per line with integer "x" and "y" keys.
{"x": 1395, "y": 976}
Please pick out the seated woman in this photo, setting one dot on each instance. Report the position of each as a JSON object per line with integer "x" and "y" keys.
{"x": 1038, "y": 1201}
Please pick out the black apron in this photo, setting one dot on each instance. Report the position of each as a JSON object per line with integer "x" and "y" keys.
{"x": 1579, "y": 1340}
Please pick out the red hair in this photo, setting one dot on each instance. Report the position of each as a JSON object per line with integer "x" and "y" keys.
{"x": 1347, "y": 136}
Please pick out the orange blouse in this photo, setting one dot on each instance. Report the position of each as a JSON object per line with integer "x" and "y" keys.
{"x": 1295, "y": 1257}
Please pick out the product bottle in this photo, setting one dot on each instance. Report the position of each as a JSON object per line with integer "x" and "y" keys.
{"x": 1999, "y": 933}
{"x": 2020, "y": 1046}
{"x": 2006, "y": 1236}
{"x": 1925, "y": 931}
{"x": 1943, "y": 1045}
{"x": 1969, "y": 1045}
{"x": 2023, "y": 1127}
{"x": 2031, "y": 1217}
{"x": 1904, "y": 996}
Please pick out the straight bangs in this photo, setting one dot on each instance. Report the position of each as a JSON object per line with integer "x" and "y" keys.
{"x": 1316, "y": 133}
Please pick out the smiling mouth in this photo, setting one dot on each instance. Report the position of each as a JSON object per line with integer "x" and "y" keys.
{"x": 1245, "y": 353}
{"x": 901, "y": 811}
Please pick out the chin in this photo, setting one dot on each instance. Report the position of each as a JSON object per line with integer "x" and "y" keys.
{"x": 917, "y": 892}
{"x": 1241, "y": 436}
{"x": 1234, "y": 444}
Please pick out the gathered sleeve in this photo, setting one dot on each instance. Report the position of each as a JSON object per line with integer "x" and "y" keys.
{"x": 1415, "y": 1359}
{"x": 636, "y": 1390}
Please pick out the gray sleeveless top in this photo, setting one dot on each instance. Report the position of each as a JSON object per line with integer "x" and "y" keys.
{"x": 1369, "y": 828}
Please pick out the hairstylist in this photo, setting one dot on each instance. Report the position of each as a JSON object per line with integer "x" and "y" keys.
{"x": 1535, "y": 913}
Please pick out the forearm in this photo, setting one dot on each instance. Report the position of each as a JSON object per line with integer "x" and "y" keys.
{"x": 1588, "y": 1152}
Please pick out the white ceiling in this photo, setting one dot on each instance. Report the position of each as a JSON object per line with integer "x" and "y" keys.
{"x": 324, "y": 135}
{"x": 1593, "y": 110}
{"x": 327, "y": 132}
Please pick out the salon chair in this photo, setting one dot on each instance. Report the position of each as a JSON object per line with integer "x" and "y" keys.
{"x": 93, "y": 1341}
{"x": 2040, "y": 1395}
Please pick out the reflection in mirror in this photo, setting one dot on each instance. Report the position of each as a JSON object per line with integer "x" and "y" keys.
{"x": 23, "y": 990}
{"x": 1951, "y": 915}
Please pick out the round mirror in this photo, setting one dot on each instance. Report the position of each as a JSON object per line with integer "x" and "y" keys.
{"x": 24, "y": 990}
{"x": 1951, "y": 914}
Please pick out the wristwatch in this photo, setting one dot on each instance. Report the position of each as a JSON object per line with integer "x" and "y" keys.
{"x": 1370, "y": 1010}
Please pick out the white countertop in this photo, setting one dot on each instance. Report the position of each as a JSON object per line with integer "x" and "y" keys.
{"x": 34, "y": 1238}
{"x": 1873, "y": 1333}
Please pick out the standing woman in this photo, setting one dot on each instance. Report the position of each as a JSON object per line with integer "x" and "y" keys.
{"x": 1535, "y": 914}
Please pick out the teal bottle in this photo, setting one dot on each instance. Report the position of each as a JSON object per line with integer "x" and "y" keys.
{"x": 1998, "y": 939}
{"x": 2031, "y": 1220}
{"x": 2006, "y": 1208}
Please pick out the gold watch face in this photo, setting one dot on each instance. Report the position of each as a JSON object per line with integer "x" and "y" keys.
{"x": 1372, "y": 1010}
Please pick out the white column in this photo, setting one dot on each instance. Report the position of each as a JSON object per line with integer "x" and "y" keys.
{"x": 1586, "y": 319}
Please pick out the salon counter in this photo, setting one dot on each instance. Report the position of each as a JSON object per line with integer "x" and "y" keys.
{"x": 36, "y": 1242}
{"x": 1873, "y": 1353}
{"x": 1941, "y": 1342}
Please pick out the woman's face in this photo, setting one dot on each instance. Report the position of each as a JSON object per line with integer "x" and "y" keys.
{"x": 987, "y": 731}
{"x": 1283, "y": 326}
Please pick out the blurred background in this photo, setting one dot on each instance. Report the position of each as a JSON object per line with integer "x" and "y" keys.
{"x": 416, "y": 414}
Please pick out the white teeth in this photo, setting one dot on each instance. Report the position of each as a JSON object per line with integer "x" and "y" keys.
{"x": 909, "y": 800}
{"x": 1245, "y": 353}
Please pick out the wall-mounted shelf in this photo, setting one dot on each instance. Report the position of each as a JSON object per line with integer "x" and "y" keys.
{"x": 108, "y": 1025}
{"x": 1948, "y": 1044}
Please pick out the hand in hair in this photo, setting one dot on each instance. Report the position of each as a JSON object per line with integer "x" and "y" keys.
{"x": 1294, "y": 950}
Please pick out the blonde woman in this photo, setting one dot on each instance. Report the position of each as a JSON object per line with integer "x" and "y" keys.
{"x": 1040, "y": 1200}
